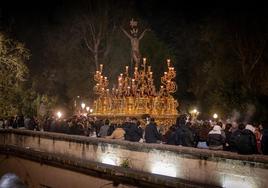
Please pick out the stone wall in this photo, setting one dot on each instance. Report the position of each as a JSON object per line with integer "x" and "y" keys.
{"x": 176, "y": 165}
{"x": 34, "y": 175}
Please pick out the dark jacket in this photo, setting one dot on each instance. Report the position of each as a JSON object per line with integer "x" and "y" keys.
{"x": 232, "y": 140}
{"x": 97, "y": 125}
{"x": 246, "y": 142}
{"x": 264, "y": 142}
{"x": 171, "y": 140}
{"x": 184, "y": 136}
{"x": 151, "y": 133}
{"x": 215, "y": 140}
{"x": 203, "y": 134}
{"x": 111, "y": 130}
{"x": 133, "y": 132}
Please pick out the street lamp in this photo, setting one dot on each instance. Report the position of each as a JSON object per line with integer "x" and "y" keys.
{"x": 194, "y": 113}
{"x": 215, "y": 116}
{"x": 59, "y": 114}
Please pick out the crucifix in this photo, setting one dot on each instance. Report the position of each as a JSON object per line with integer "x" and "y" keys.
{"x": 135, "y": 40}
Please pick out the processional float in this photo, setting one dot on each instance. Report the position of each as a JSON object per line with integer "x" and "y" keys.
{"x": 135, "y": 93}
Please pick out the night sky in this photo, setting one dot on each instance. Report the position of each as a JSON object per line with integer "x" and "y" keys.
{"x": 22, "y": 16}
{"x": 28, "y": 21}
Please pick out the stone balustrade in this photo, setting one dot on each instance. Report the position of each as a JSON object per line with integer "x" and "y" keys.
{"x": 156, "y": 164}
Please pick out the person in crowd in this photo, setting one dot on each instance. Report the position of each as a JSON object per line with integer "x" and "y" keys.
{"x": 228, "y": 133}
{"x": 184, "y": 134}
{"x": 2, "y": 124}
{"x": 264, "y": 139}
{"x": 15, "y": 122}
{"x": 258, "y": 136}
{"x": 202, "y": 135}
{"x": 171, "y": 136}
{"x": 27, "y": 121}
{"x": 118, "y": 133}
{"x": 111, "y": 129}
{"x": 246, "y": 142}
{"x": 236, "y": 131}
{"x": 10, "y": 122}
{"x": 133, "y": 131}
{"x": 215, "y": 138}
{"x": 104, "y": 129}
{"x": 219, "y": 123}
{"x": 20, "y": 121}
{"x": 151, "y": 133}
{"x": 98, "y": 123}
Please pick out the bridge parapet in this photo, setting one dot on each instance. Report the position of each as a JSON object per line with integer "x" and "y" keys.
{"x": 175, "y": 166}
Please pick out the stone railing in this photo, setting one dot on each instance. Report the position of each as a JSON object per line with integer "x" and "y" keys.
{"x": 154, "y": 163}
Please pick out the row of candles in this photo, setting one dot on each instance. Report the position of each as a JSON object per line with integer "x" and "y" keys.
{"x": 141, "y": 83}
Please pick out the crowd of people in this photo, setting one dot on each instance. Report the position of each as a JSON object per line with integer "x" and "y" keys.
{"x": 214, "y": 135}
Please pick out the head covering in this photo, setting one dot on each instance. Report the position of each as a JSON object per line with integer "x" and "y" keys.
{"x": 234, "y": 126}
{"x": 250, "y": 127}
{"x": 216, "y": 130}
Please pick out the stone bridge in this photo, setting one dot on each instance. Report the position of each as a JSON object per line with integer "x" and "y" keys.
{"x": 45, "y": 159}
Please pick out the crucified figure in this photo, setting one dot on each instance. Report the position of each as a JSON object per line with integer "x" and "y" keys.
{"x": 135, "y": 40}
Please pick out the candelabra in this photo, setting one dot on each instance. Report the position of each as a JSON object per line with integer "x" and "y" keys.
{"x": 136, "y": 94}
{"x": 102, "y": 82}
{"x": 167, "y": 80}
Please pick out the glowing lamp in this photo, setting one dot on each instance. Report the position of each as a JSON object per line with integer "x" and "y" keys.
{"x": 59, "y": 114}
{"x": 83, "y": 105}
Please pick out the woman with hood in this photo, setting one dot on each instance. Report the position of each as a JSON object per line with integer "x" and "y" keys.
{"x": 215, "y": 138}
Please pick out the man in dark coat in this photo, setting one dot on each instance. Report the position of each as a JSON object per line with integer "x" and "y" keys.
{"x": 246, "y": 142}
{"x": 171, "y": 136}
{"x": 234, "y": 136}
{"x": 151, "y": 133}
{"x": 133, "y": 131}
{"x": 184, "y": 134}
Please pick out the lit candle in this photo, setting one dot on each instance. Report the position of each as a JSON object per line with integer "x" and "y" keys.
{"x": 149, "y": 68}
{"x": 126, "y": 69}
{"x": 101, "y": 66}
{"x": 144, "y": 60}
{"x": 168, "y": 62}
